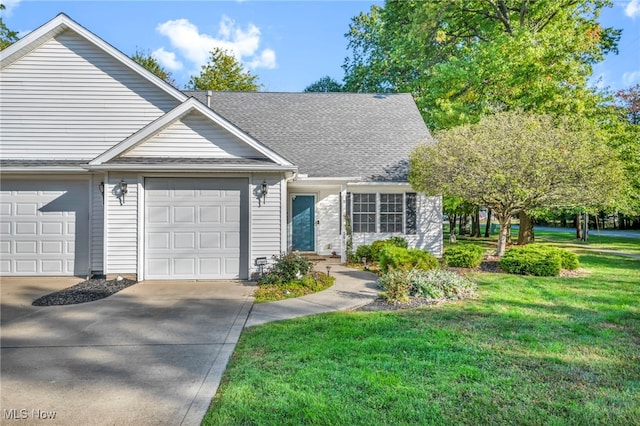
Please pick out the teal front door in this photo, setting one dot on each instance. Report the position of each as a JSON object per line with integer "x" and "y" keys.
{"x": 303, "y": 219}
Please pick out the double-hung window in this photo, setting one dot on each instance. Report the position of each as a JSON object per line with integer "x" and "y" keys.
{"x": 364, "y": 213}
{"x": 391, "y": 212}
{"x": 383, "y": 213}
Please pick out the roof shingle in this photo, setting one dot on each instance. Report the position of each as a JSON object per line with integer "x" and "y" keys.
{"x": 329, "y": 134}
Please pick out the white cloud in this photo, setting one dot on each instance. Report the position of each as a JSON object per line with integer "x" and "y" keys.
{"x": 167, "y": 59}
{"x": 267, "y": 59}
{"x": 194, "y": 46}
{"x": 631, "y": 78}
{"x": 9, "y": 6}
{"x": 633, "y": 9}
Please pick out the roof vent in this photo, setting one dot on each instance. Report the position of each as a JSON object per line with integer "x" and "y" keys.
{"x": 380, "y": 96}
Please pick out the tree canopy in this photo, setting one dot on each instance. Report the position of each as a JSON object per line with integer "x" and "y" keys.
{"x": 466, "y": 59}
{"x": 146, "y": 59}
{"x": 325, "y": 84}
{"x": 224, "y": 72}
{"x": 516, "y": 161}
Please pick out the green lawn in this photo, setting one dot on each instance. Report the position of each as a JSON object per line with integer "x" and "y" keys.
{"x": 527, "y": 350}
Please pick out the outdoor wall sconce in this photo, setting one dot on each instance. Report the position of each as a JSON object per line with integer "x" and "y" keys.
{"x": 122, "y": 190}
{"x": 101, "y": 189}
{"x": 264, "y": 190}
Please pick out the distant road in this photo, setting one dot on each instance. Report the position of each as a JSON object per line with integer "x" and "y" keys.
{"x": 592, "y": 232}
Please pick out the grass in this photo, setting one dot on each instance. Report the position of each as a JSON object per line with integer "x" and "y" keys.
{"x": 527, "y": 350}
{"x": 312, "y": 283}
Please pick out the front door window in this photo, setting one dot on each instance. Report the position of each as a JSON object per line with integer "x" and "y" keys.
{"x": 303, "y": 220}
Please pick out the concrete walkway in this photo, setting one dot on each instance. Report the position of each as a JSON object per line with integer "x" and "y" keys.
{"x": 352, "y": 289}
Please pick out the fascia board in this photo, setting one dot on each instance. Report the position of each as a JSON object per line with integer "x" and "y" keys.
{"x": 189, "y": 167}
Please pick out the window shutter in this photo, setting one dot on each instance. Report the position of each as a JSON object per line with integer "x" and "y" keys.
{"x": 411, "y": 225}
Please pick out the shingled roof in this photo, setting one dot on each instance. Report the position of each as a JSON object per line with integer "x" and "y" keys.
{"x": 329, "y": 134}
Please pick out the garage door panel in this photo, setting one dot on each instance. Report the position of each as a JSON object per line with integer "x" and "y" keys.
{"x": 186, "y": 214}
{"x": 231, "y": 240}
{"x": 26, "y": 247}
{"x": 210, "y": 266}
{"x": 52, "y": 247}
{"x": 184, "y": 240}
{"x": 158, "y": 214}
{"x": 158, "y": 240}
{"x": 201, "y": 213}
{"x": 38, "y": 223}
{"x": 159, "y": 266}
{"x": 210, "y": 214}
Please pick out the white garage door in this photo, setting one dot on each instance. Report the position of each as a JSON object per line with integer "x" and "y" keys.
{"x": 44, "y": 227}
{"x": 196, "y": 228}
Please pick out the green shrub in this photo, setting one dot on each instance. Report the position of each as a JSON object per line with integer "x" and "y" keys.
{"x": 463, "y": 256}
{"x": 537, "y": 260}
{"x": 395, "y": 286}
{"x": 569, "y": 260}
{"x": 439, "y": 283}
{"x": 286, "y": 267}
{"x": 392, "y": 257}
{"x": 377, "y": 246}
{"x": 364, "y": 251}
{"x": 398, "y": 285}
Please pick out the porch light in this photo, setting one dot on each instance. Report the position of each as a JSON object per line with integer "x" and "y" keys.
{"x": 101, "y": 189}
{"x": 264, "y": 190}
{"x": 122, "y": 187}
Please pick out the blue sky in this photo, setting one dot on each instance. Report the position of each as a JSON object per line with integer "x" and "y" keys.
{"x": 288, "y": 44}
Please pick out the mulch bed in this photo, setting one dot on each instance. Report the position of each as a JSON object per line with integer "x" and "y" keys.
{"x": 86, "y": 291}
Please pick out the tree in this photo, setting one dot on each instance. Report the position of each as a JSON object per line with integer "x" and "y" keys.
{"x": 517, "y": 161}
{"x": 224, "y": 72}
{"x": 466, "y": 59}
{"x": 7, "y": 37}
{"x": 325, "y": 84}
{"x": 146, "y": 59}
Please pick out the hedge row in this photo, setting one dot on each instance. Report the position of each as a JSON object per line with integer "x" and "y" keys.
{"x": 542, "y": 261}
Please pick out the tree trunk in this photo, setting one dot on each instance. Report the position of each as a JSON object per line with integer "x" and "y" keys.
{"x": 578, "y": 226}
{"x": 487, "y": 230}
{"x": 505, "y": 225}
{"x": 452, "y": 224}
{"x": 475, "y": 224}
{"x": 525, "y": 234}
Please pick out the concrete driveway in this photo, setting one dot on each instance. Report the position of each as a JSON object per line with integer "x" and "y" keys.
{"x": 150, "y": 354}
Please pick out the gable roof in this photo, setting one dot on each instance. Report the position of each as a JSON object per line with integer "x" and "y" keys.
{"x": 172, "y": 116}
{"x": 330, "y": 134}
{"x": 62, "y": 23}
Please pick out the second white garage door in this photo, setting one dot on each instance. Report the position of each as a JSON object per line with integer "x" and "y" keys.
{"x": 196, "y": 228}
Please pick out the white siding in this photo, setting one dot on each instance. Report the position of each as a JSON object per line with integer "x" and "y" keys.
{"x": 428, "y": 227}
{"x": 122, "y": 226}
{"x": 266, "y": 220}
{"x": 96, "y": 226}
{"x": 67, "y": 99}
{"x": 194, "y": 136}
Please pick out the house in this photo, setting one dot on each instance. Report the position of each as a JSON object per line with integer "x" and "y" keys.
{"x": 105, "y": 168}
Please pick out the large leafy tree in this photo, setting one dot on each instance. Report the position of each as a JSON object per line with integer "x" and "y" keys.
{"x": 7, "y": 36}
{"x": 224, "y": 72}
{"x": 513, "y": 162}
{"x": 466, "y": 59}
{"x": 325, "y": 84}
{"x": 146, "y": 59}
